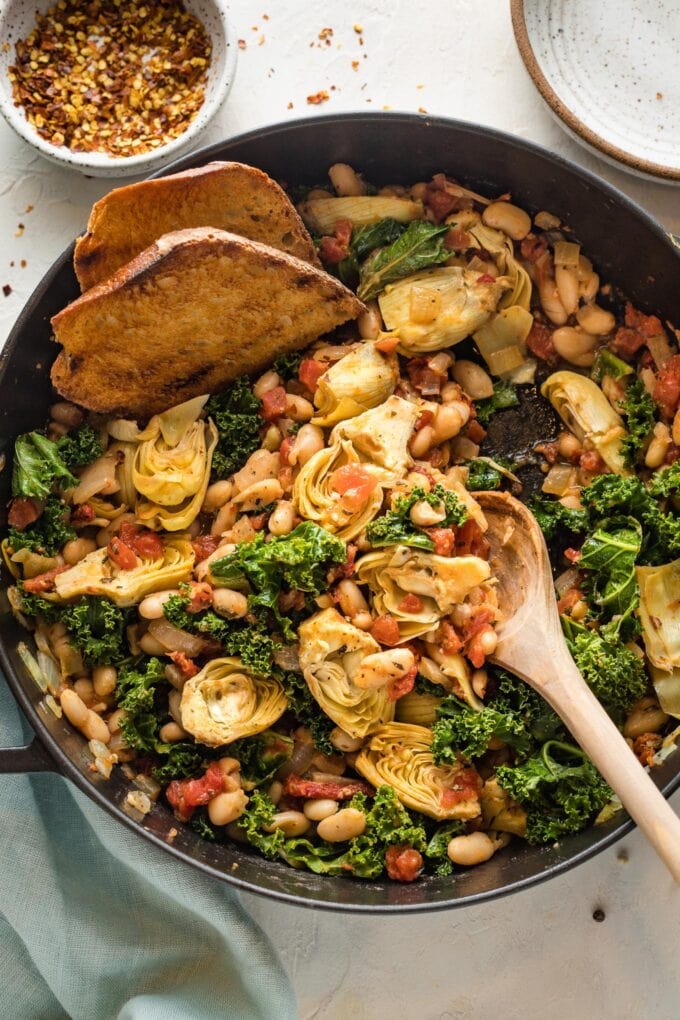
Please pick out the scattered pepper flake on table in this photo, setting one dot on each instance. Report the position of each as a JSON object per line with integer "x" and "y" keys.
{"x": 322, "y": 96}
{"x": 242, "y": 44}
{"x": 113, "y": 77}
{"x": 6, "y": 289}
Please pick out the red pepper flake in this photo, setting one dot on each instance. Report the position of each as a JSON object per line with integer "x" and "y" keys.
{"x": 242, "y": 44}
{"x": 6, "y": 289}
{"x": 319, "y": 97}
{"x": 355, "y": 65}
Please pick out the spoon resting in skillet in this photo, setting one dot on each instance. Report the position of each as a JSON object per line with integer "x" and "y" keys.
{"x": 532, "y": 646}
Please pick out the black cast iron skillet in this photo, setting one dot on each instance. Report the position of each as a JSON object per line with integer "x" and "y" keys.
{"x": 628, "y": 249}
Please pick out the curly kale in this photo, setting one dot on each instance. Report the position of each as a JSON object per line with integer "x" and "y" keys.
{"x": 48, "y": 534}
{"x": 236, "y": 413}
{"x": 136, "y": 693}
{"x": 608, "y": 557}
{"x": 396, "y": 527}
{"x": 560, "y": 789}
{"x": 640, "y": 413}
{"x": 258, "y": 814}
{"x": 182, "y": 761}
{"x": 80, "y": 447}
{"x": 610, "y": 493}
{"x": 288, "y": 365}
{"x": 614, "y": 673}
{"x": 461, "y": 730}
{"x": 504, "y": 396}
{"x": 552, "y": 517}
{"x": 96, "y": 626}
{"x": 305, "y": 709}
{"x": 666, "y": 481}
{"x": 38, "y": 466}
{"x": 260, "y": 756}
{"x": 436, "y": 849}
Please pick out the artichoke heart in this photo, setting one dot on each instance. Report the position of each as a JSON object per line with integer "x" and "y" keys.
{"x": 399, "y": 755}
{"x": 501, "y": 249}
{"x": 315, "y": 499}
{"x": 587, "y": 413}
{"x": 331, "y": 652}
{"x": 361, "y": 380}
{"x": 321, "y": 214}
{"x": 500, "y": 812}
{"x": 440, "y": 582}
{"x": 171, "y": 466}
{"x": 226, "y": 701}
{"x": 96, "y": 574}
{"x": 451, "y": 671}
{"x": 660, "y": 613}
{"x": 381, "y": 436}
{"x": 420, "y": 709}
{"x": 460, "y": 301}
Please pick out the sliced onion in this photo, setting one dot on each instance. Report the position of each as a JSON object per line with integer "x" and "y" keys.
{"x": 175, "y": 639}
{"x": 558, "y": 479}
{"x": 148, "y": 785}
{"x": 99, "y": 476}
{"x": 567, "y": 254}
{"x": 566, "y": 581}
{"x": 506, "y": 360}
{"x": 32, "y": 666}
{"x": 299, "y": 761}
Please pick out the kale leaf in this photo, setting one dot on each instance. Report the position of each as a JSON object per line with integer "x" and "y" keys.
{"x": 614, "y": 673}
{"x": 236, "y": 413}
{"x": 258, "y": 814}
{"x": 95, "y": 625}
{"x": 80, "y": 447}
{"x": 436, "y": 849}
{"x": 629, "y": 496}
{"x": 396, "y": 527}
{"x": 461, "y": 730}
{"x": 48, "y": 534}
{"x": 307, "y": 712}
{"x": 136, "y": 694}
{"x": 560, "y": 789}
{"x": 666, "y": 481}
{"x": 552, "y": 517}
{"x": 262, "y": 755}
{"x": 607, "y": 363}
{"x": 504, "y": 396}
{"x": 364, "y": 240}
{"x": 608, "y": 556}
{"x": 639, "y": 409}
{"x": 482, "y": 477}
{"x": 421, "y": 245}
{"x": 38, "y": 466}
{"x": 288, "y": 365}
{"x": 182, "y": 761}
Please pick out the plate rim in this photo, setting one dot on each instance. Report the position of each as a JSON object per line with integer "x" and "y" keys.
{"x": 565, "y": 114}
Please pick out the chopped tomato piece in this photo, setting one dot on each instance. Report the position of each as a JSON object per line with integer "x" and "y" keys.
{"x": 404, "y": 685}
{"x": 442, "y": 199}
{"x": 343, "y": 231}
{"x": 334, "y": 249}
{"x": 82, "y": 515}
{"x": 424, "y": 378}
{"x": 142, "y": 541}
{"x": 591, "y": 462}
{"x": 355, "y": 484}
{"x": 387, "y": 344}
{"x": 185, "y": 665}
{"x": 23, "y": 511}
{"x": 311, "y": 371}
{"x": 185, "y": 795}
{"x": 475, "y": 650}
{"x": 533, "y": 246}
{"x": 475, "y": 432}
{"x": 204, "y": 546}
{"x": 286, "y": 477}
{"x": 343, "y": 789}
{"x": 667, "y": 386}
{"x": 470, "y": 540}
{"x": 43, "y": 582}
{"x": 573, "y": 555}
{"x": 273, "y": 403}
{"x": 456, "y": 239}
{"x": 645, "y": 747}
{"x": 426, "y": 418}
{"x": 411, "y": 604}
{"x": 444, "y": 540}
{"x": 549, "y": 450}
{"x": 449, "y": 639}
{"x": 121, "y": 554}
{"x": 201, "y": 596}
{"x": 486, "y": 278}
{"x": 569, "y": 599}
{"x": 540, "y": 343}
{"x": 467, "y": 785}
{"x": 403, "y": 863}
{"x": 385, "y": 630}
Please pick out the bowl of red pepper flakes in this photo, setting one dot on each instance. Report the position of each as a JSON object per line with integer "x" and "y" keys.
{"x": 114, "y": 87}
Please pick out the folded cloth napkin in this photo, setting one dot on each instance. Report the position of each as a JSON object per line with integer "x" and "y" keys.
{"x": 96, "y": 923}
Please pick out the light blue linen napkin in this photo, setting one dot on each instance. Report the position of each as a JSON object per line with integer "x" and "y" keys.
{"x": 96, "y": 923}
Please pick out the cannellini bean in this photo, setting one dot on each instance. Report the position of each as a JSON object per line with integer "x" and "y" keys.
{"x": 94, "y": 728}
{"x": 595, "y": 320}
{"x": 480, "y": 679}
{"x": 614, "y": 391}
{"x": 104, "y": 680}
{"x": 364, "y": 621}
{"x": 77, "y": 549}
{"x": 317, "y": 810}
{"x": 441, "y": 362}
{"x": 589, "y": 286}
{"x": 546, "y": 220}
{"x": 227, "y": 807}
{"x": 370, "y": 322}
{"x": 273, "y": 438}
{"x": 449, "y": 419}
{"x": 341, "y": 826}
{"x": 226, "y": 519}
{"x": 568, "y": 445}
{"x": 675, "y": 433}
{"x": 174, "y": 702}
{"x": 474, "y": 380}
{"x": 228, "y": 765}
{"x": 231, "y": 604}
{"x": 574, "y": 345}
{"x": 425, "y": 516}
{"x": 547, "y": 292}
{"x": 475, "y": 848}
{"x": 658, "y": 448}
{"x": 260, "y": 465}
{"x": 66, "y": 414}
{"x": 298, "y": 408}
{"x": 292, "y": 823}
{"x": 567, "y": 284}
{"x": 463, "y": 448}
{"x": 579, "y": 610}
{"x": 307, "y": 442}
{"x": 342, "y": 741}
{"x": 646, "y": 716}
{"x": 151, "y": 607}
{"x": 345, "y": 180}
{"x": 509, "y": 218}
{"x": 171, "y": 733}
{"x": 74, "y": 708}
{"x": 259, "y": 494}
{"x": 421, "y": 441}
{"x": 269, "y": 381}
{"x": 174, "y": 676}
{"x": 351, "y": 598}
{"x": 114, "y": 720}
{"x": 282, "y": 518}
{"x": 381, "y": 668}
{"x": 85, "y": 691}
{"x": 217, "y": 495}
{"x": 275, "y": 791}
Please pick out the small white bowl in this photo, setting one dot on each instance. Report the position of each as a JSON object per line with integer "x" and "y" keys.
{"x": 18, "y": 18}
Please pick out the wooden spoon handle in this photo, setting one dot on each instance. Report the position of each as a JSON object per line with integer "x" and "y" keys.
{"x": 573, "y": 700}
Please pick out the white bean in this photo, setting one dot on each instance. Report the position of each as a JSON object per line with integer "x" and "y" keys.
{"x": 475, "y": 848}
{"x": 77, "y": 549}
{"x": 474, "y": 380}
{"x": 298, "y": 408}
{"x": 646, "y": 716}
{"x": 425, "y": 516}
{"x": 345, "y": 180}
{"x": 174, "y": 706}
{"x": 509, "y": 218}
{"x": 449, "y": 419}
{"x": 421, "y": 441}
{"x": 74, "y": 708}
{"x": 260, "y": 465}
{"x": 259, "y": 494}
{"x": 308, "y": 441}
{"x": 225, "y": 808}
{"x": 171, "y": 733}
{"x": 381, "y": 668}
{"x": 370, "y": 322}
{"x": 364, "y": 621}
{"x": 66, "y": 414}
{"x": 343, "y": 742}
{"x": 217, "y": 495}
{"x": 231, "y": 604}
{"x": 94, "y": 728}
{"x": 317, "y": 810}
{"x": 104, "y": 680}
{"x": 226, "y": 519}
{"x": 567, "y": 284}
{"x": 351, "y": 598}
{"x": 658, "y": 448}
{"x": 574, "y": 345}
{"x": 344, "y": 825}
{"x": 151, "y": 607}
{"x": 282, "y": 519}
{"x": 269, "y": 381}
{"x": 595, "y": 320}
{"x": 275, "y": 791}
{"x": 292, "y": 823}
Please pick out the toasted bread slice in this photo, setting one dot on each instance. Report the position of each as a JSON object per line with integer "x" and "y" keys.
{"x": 191, "y": 313}
{"x": 227, "y": 196}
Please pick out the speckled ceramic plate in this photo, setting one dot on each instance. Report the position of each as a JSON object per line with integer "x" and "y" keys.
{"x": 610, "y": 73}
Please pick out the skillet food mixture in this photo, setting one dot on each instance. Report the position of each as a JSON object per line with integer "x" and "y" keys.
{"x": 273, "y": 605}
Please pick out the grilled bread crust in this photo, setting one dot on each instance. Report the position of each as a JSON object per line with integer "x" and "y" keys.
{"x": 191, "y": 313}
{"x": 226, "y": 196}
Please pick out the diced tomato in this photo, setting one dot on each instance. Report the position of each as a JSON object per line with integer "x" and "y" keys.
{"x": 549, "y": 450}
{"x": 648, "y": 325}
{"x": 43, "y": 582}
{"x": 200, "y": 597}
{"x": 467, "y": 785}
{"x": 121, "y": 554}
{"x": 411, "y": 604}
{"x": 404, "y": 685}
{"x": 667, "y": 386}
{"x": 533, "y": 246}
{"x": 475, "y": 650}
{"x": 470, "y": 540}
{"x": 387, "y": 344}
{"x": 82, "y": 515}
{"x": 444, "y": 540}
{"x": 638, "y": 330}
{"x": 568, "y": 600}
{"x": 23, "y": 511}
{"x": 355, "y": 484}
{"x": 486, "y": 278}
{"x": 481, "y": 617}
{"x": 449, "y": 640}
{"x": 424, "y": 378}
{"x": 285, "y": 448}
{"x": 645, "y": 747}
{"x": 331, "y": 251}
{"x": 311, "y": 371}
{"x": 204, "y": 546}
{"x": 286, "y": 477}
{"x": 627, "y": 342}
{"x": 403, "y": 863}
{"x": 540, "y": 343}
{"x": 343, "y": 231}
{"x": 475, "y": 432}
{"x": 443, "y": 201}
{"x": 142, "y": 541}
{"x": 185, "y": 665}
{"x": 273, "y": 403}
{"x": 573, "y": 555}
{"x": 591, "y": 462}
{"x": 385, "y": 630}
{"x": 426, "y": 418}
{"x": 456, "y": 239}
{"x": 343, "y": 789}
{"x": 185, "y": 795}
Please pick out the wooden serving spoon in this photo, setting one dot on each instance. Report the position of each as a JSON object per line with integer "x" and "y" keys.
{"x": 532, "y": 646}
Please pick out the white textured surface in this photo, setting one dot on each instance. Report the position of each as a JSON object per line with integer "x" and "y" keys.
{"x": 527, "y": 956}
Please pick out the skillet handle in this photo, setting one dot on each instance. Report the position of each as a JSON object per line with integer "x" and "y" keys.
{"x": 31, "y": 758}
